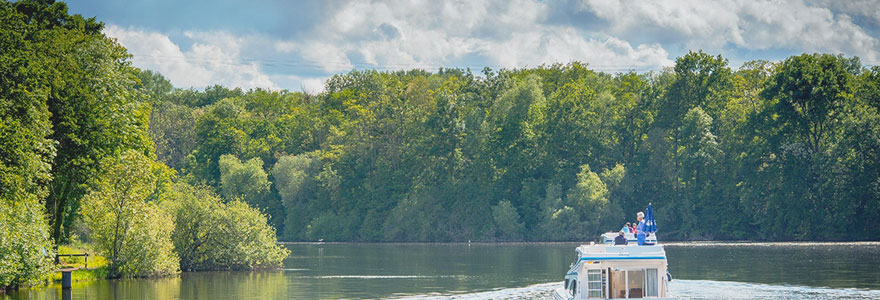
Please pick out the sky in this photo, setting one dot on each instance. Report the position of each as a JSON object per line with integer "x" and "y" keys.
{"x": 297, "y": 45}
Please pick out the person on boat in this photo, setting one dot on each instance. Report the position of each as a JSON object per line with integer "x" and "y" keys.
{"x": 626, "y": 228}
{"x": 640, "y": 229}
{"x": 620, "y": 239}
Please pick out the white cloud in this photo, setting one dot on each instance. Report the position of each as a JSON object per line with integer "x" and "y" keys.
{"x": 609, "y": 35}
{"x": 313, "y": 85}
{"x": 867, "y": 9}
{"x": 213, "y": 58}
{"x": 566, "y": 44}
{"x": 424, "y": 34}
{"x": 752, "y": 25}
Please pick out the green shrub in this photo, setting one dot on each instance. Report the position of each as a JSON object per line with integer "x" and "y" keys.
{"x": 25, "y": 247}
{"x": 212, "y": 235}
{"x": 134, "y": 233}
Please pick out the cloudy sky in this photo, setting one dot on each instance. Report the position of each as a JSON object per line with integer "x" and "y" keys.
{"x": 295, "y": 45}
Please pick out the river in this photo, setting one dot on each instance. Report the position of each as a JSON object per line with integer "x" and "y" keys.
{"x": 509, "y": 271}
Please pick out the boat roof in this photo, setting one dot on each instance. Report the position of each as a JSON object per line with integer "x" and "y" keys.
{"x": 622, "y": 252}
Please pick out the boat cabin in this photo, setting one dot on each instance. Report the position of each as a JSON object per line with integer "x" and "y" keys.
{"x": 604, "y": 271}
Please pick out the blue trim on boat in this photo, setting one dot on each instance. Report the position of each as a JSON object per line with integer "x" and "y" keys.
{"x": 623, "y": 257}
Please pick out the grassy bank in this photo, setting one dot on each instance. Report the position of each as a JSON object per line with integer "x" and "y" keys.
{"x": 98, "y": 267}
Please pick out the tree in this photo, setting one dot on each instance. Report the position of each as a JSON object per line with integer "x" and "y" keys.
{"x": 565, "y": 225}
{"x": 96, "y": 111}
{"x": 25, "y": 156}
{"x": 294, "y": 179}
{"x": 249, "y": 183}
{"x": 810, "y": 89}
{"x": 590, "y": 198}
{"x": 507, "y": 221}
{"x": 171, "y": 129}
{"x": 88, "y": 87}
{"x": 154, "y": 84}
{"x": 212, "y": 235}
{"x": 130, "y": 229}
{"x": 700, "y": 80}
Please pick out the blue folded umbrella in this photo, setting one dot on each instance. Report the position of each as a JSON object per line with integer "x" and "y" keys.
{"x": 650, "y": 224}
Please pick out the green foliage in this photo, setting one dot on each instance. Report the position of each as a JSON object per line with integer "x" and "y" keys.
{"x": 25, "y": 156}
{"x": 415, "y": 218}
{"x": 507, "y": 221}
{"x": 420, "y": 156}
{"x": 589, "y": 197}
{"x": 129, "y": 229}
{"x": 210, "y": 234}
{"x": 154, "y": 84}
{"x": 810, "y": 88}
{"x": 73, "y": 124}
{"x": 259, "y": 124}
{"x": 329, "y": 227}
{"x": 565, "y": 224}
{"x": 171, "y": 129}
{"x": 251, "y": 241}
{"x": 295, "y": 181}
{"x": 96, "y": 110}
{"x": 26, "y": 254}
{"x": 246, "y": 181}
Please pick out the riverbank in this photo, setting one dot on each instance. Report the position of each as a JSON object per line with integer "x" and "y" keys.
{"x": 93, "y": 267}
{"x": 664, "y": 242}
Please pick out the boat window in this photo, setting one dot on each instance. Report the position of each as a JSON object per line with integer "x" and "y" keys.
{"x": 651, "y": 283}
{"x": 618, "y": 284}
{"x": 635, "y": 281}
{"x": 594, "y": 283}
{"x": 573, "y": 287}
{"x": 566, "y": 283}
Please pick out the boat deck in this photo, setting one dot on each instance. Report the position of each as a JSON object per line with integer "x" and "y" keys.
{"x": 608, "y": 252}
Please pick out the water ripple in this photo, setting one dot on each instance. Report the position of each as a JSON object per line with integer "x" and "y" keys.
{"x": 708, "y": 289}
{"x": 680, "y": 289}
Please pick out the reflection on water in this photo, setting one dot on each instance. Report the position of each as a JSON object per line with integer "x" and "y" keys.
{"x": 536, "y": 291}
{"x": 836, "y": 265}
{"x": 386, "y": 270}
{"x": 509, "y": 271}
{"x": 683, "y": 289}
{"x": 706, "y": 289}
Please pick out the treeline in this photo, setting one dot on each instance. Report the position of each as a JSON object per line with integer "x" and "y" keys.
{"x": 77, "y": 163}
{"x": 772, "y": 151}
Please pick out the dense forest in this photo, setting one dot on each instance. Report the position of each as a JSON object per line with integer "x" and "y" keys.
{"x": 771, "y": 151}
{"x": 783, "y": 150}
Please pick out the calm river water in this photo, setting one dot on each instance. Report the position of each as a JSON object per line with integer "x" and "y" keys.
{"x": 509, "y": 271}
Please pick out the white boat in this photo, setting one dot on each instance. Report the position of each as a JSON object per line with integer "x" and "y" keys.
{"x": 605, "y": 271}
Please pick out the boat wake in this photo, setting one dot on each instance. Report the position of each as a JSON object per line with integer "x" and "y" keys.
{"x": 384, "y": 276}
{"x": 537, "y": 291}
{"x": 680, "y": 289}
{"x": 708, "y": 289}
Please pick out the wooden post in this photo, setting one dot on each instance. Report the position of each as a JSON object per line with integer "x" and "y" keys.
{"x": 66, "y": 278}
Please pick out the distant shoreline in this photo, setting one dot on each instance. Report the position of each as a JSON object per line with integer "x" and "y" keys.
{"x": 670, "y": 243}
